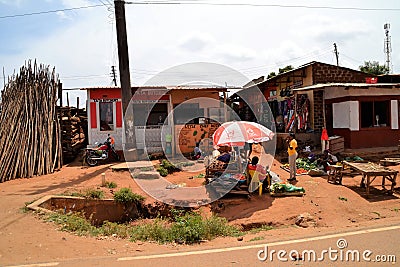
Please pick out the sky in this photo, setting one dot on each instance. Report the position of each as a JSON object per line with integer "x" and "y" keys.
{"x": 254, "y": 37}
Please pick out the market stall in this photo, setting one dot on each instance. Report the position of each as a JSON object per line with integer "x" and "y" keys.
{"x": 234, "y": 135}
{"x": 370, "y": 171}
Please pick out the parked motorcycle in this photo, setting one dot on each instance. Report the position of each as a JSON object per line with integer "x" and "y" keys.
{"x": 102, "y": 152}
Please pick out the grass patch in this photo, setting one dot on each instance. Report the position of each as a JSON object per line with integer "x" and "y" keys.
{"x": 186, "y": 228}
{"x": 263, "y": 227}
{"x": 342, "y": 198}
{"x": 111, "y": 184}
{"x": 25, "y": 208}
{"x": 73, "y": 222}
{"x": 201, "y": 175}
{"x": 396, "y": 209}
{"x": 126, "y": 196}
{"x": 258, "y": 238}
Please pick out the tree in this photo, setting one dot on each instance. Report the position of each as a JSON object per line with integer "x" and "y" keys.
{"x": 271, "y": 75}
{"x": 374, "y": 68}
{"x": 285, "y": 69}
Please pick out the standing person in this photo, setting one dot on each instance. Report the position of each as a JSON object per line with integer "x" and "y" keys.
{"x": 324, "y": 140}
{"x": 292, "y": 146}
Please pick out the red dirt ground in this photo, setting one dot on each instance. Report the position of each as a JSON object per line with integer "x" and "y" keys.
{"x": 26, "y": 238}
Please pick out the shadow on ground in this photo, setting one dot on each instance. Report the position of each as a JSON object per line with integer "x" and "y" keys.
{"x": 375, "y": 194}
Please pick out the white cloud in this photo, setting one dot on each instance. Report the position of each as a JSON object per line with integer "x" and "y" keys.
{"x": 231, "y": 53}
{"x": 196, "y": 42}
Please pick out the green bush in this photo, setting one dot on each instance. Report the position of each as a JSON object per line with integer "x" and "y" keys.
{"x": 168, "y": 166}
{"x": 111, "y": 185}
{"x": 125, "y": 195}
{"x": 94, "y": 194}
{"x": 187, "y": 227}
{"x": 163, "y": 172}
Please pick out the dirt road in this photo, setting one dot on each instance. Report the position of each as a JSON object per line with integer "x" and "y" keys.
{"x": 331, "y": 208}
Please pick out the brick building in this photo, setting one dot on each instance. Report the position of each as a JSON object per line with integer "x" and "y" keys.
{"x": 299, "y": 111}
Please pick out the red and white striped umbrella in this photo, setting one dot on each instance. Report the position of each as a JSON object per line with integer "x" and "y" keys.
{"x": 236, "y": 133}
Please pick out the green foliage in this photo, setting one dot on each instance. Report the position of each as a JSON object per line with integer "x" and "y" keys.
{"x": 374, "y": 68}
{"x": 126, "y": 196}
{"x": 168, "y": 166}
{"x": 156, "y": 231}
{"x": 396, "y": 209}
{"x": 187, "y": 227}
{"x": 285, "y": 69}
{"x": 271, "y": 75}
{"x": 73, "y": 222}
{"x": 163, "y": 171}
{"x": 94, "y": 194}
{"x": 258, "y": 238}
{"x": 342, "y": 198}
{"x": 25, "y": 208}
{"x": 111, "y": 184}
{"x": 201, "y": 175}
{"x": 263, "y": 227}
{"x": 111, "y": 228}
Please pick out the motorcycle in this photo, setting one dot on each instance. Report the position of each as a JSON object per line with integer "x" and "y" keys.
{"x": 102, "y": 152}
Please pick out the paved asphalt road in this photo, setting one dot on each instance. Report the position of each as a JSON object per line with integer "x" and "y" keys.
{"x": 368, "y": 247}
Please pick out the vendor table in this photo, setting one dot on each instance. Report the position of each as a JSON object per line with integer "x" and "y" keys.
{"x": 370, "y": 171}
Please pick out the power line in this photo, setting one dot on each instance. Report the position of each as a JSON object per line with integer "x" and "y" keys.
{"x": 48, "y": 11}
{"x": 199, "y": 2}
{"x": 171, "y": 2}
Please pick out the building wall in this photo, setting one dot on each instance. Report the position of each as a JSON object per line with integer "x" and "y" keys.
{"x": 181, "y": 95}
{"x": 95, "y": 96}
{"x": 366, "y": 138}
{"x": 346, "y": 123}
{"x": 324, "y": 73}
{"x": 317, "y": 116}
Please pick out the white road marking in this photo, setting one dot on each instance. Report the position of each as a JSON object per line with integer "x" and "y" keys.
{"x": 200, "y": 252}
{"x": 37, "y": 264}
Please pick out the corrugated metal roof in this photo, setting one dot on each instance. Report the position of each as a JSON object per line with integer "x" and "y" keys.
{"x": 358, "y": 85}
{"x": 179, "y": 87}
{"x": 298, "y": 68}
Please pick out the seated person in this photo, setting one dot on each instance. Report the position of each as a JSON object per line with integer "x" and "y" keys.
{"x": 197, "y": 151}
{"x": 225, "y": 157}
{"x": 327, "y": 159}
{"x": 253, "y": 167}
{"x": 216, "y": 153}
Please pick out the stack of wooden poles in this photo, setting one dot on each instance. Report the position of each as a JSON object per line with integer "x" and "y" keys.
{"x": 30, "y": 142}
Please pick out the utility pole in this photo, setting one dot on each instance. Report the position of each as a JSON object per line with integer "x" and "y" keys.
{"x": 336, "y": 54}
{"x": 125, "y": 81}
{"x": 114, "y": 75}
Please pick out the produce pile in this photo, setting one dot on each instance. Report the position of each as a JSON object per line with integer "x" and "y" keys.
{"x": 285, "y": 187}
{"x": 303, "y": 165}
